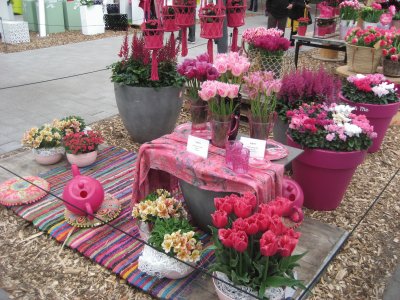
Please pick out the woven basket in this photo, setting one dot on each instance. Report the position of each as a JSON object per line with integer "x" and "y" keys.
{"x": 391, "y": 68}
{"x": 363, "y": 59}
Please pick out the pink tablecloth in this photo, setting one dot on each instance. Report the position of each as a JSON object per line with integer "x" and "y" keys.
{"x": 162, "y": 161}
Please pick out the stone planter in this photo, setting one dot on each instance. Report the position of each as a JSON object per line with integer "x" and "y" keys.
{"x": 48, "y": 156}
{"x": 279, "y": 131}
{"x": 92, "y": 19}
{"x": 148, "y": 113}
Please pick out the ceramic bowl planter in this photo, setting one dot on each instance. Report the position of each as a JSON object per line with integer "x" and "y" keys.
{"x": 379, "y": 115}
{"x": 48, "y": 156}
{"x": 82, "y": 159}
{"x": 148, "y": 113}
{"x": 324, "y": 175}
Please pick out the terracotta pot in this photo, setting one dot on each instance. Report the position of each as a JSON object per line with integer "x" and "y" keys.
{"x": 82, "y": 159}
{"x": 324, "y": 175}
{"x": 379, "y": 115}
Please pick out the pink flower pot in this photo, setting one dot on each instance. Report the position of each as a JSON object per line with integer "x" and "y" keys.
{"x": 324, "y": 175}
{"x": 48, "y": 156}
{"x": 321, "y": 31}
{"x": 379, "y": 115}
{"x": 82, "y": 159}
{"x": 301, "y": 30}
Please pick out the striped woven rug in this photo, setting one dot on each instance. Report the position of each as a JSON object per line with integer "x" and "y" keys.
{"x": 106, "y": 246}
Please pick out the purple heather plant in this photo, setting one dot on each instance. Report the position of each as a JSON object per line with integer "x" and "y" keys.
{"x": 306, "y": 86}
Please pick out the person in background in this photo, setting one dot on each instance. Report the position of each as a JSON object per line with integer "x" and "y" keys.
{"x": 253, "y": 5}
{"x": 277, "y": 13}
{"x": 297, "y": 9}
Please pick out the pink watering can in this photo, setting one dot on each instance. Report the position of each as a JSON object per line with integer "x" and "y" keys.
{"x": 292, "y": 191}
{"x": 83, "y": 194}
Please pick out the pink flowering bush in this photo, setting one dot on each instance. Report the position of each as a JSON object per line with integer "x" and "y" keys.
{"x": 306, "y": 86}
{"x": 219, "y": 96}
{"x": 371, "y": 88}
{"x": 252, "y": 245}
{"x": 366, "y": 37}
{"x": 332, "y": 127}
{"x": 391, "y": 45}
{"x": 195, "y": 71}
{"x": 262, "y": 88}
{"x": 232, "y": 67}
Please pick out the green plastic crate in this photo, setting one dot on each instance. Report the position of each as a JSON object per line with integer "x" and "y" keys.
{"x": 72, "y": 17}
{"x": 30, "y": 14}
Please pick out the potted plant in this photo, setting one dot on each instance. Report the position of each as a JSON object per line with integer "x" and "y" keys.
{"x": 91, "y": 12}
{"x": 157, "y": 205}
{"x": 302, "y": 86}
{"x": 196, "y": 71}
{"x": 371, "y": 15}
{"x": 148, "y": 108}
{"x": 171, "y": 238}
{"x": 349, "y": 11}
{"x": 253, "y": 251}
{"x": 220, "y": 97}
{"x": 302, "y": 28}
{"x": 374, "y": 96}
{"x": 335, "y": 142}
{"x": 235, "y": 15}
{"x": 363, "y": 49}
{"x": 45, "y": 143}
{"x": 261, "y": 88}
{"x": 324, "y": 26}
{"x": 81, "y": 147}
{"x": 390, "y": 55}
{"x": 70, "y": 124}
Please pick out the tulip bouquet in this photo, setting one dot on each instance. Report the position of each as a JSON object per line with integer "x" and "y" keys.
{"x": 371, "y": 88}
{"x": 262, "y": 89}
{"x": 251, "y": 33}
{"x": 220, "y": 96}
{"x": 332, "y": 127}
{"x": 255, "y": 249}
{"x": 195, "y": 71}
{"x": 232, "y": 67}
{"x": 349, "y": 10}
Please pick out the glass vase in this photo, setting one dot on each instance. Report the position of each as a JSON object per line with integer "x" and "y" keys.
{"x": 260, "y": 128}
{"x": 221, "y": 129}
{"x": 237, "y": 102}
{"x": 199, "y": 116}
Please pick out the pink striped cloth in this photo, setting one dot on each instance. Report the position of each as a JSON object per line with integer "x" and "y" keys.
{"x": 163, "y": 161}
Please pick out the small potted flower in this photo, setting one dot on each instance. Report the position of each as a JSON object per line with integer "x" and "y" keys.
{"x": 171, "y": 238}
{"x": 349, "y": 11}
{"x": 70, "y": 124}
{"x": 391, "y": 55}
{"x": 254, "y": 247}
{"x": 157, "y": 205}
{"x": 324, "y": 26}
{"x": 374, "y": 96}
{"x": 261, "y": 88}
{"x": 81, "y": 147}
{"x": 45, "y": 143}
{"x": 363, "y": 49}
{"x": 335, "y": 142}
{"x": 302, "y": 28}
{"x": 371, "y": 15}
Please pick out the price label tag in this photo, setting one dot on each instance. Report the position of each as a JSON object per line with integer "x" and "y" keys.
{"x": 256, "y": 147}
{"x": 198, "y": 146}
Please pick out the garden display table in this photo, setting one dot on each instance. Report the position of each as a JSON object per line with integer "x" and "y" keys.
{"x": 310, "y": 41}
{"x": 343, "y": 71}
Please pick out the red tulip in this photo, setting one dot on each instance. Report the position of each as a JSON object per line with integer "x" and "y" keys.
{"x": 225, "y": 236}
{"x": 277, "y": 226}
{"x": 219, "y": 218}
{"x": 252, "y": 225}
{"x": 268, "y": 244}
{"x": 263, "y": 221}
{"x": 239, "y": 225}
{"x": 224, "y": 204}
{"x": 242, "y": 209}
{"x": 240, "y": 241}
{"x": 250, "y": 199}
{"x": 293, "y": 234}
{"x": 286, "y": 245}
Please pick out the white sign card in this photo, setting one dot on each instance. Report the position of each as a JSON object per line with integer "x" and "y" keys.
{"x": 256, "y": 147}
{"x": 198, "y": 146}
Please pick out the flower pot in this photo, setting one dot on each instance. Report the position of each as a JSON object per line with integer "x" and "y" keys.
{"x": 227, "y": 292}
{"x": 235, "y": 16}
{"x": 144, "y": 229}
{"x": 301, "y": 30}
{"x": 48, "y": 156}
{"x": 396, "y": 24}
{"x": 363, "y": 59}
{"x": 153, "y": 39}
{"x": 92, "y": 19}
{"x": 211, "y": 30}
{"x": 279, "y": 131}
{"x": 148, "y": 113}
{"x": 379, "y": 115}
{"x": 390, "y": 68}
{"x": 369, "y": 24}
{"x": 321, "y": 30}
{"x": 82, "y": 159}
{"x": 324, "y": 175}
{"x": 344, "y": 27}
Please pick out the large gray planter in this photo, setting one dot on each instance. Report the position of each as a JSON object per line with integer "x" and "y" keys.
{"x": 148, "y": 113}
{"x": 200, "y": 203}
{"x": 279, "y": 131}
